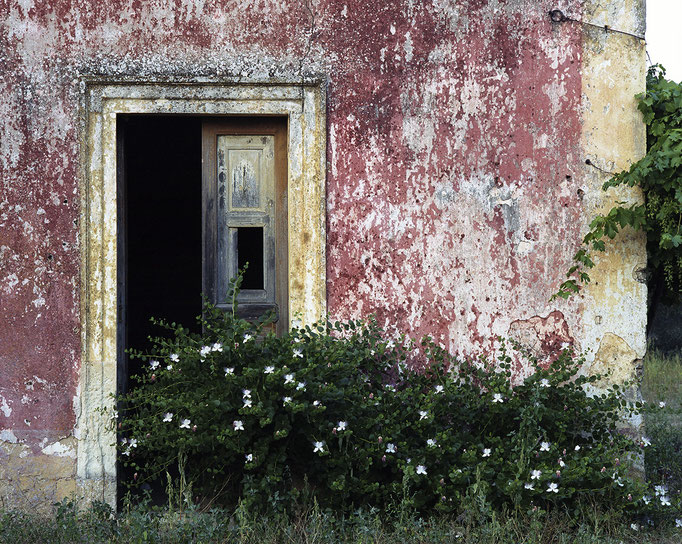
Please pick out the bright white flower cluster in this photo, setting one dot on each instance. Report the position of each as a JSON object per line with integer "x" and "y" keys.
{"x": 421, "y": 469}
{"x": 497, "y": 397}
{"x": 390, "y": 448}
{"x": 288, "y": 378}
{"x": 269, "y": 370}
{"x": 204, "y": 351}
{"x": 552, "y": 488}
{"x": 318, "y": 447}
{"x": 486, "y": 452}
{"x": 544, "y": 446}
{"x": 342, "y": 426}
{"x": 130, "y": 442}
{"x": 184, "y": 424}
{"x": 238, "y": 425}
{"x": 174, "y": 357}
{"x": 298, "y": 353}
{"x": 168, "y": 416}
{"x": 544, "y": 382}
{"x": 154, "y": 364}
{"x": 423, "y": 414}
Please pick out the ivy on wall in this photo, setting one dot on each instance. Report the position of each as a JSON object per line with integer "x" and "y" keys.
{"x": 659, "y": 175}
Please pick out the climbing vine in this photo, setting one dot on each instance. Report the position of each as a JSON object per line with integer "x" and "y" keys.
{"x": 659, "y": 174}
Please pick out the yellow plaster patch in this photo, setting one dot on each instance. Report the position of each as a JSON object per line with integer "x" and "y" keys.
{"x": 613, "y": 137}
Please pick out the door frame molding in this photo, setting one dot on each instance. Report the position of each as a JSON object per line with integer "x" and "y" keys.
{"x": 304, "y": 105}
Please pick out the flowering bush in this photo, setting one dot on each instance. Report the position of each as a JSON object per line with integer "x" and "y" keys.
{"x": 339, "y": 411}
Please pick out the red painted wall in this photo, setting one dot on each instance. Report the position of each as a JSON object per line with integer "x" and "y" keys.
{"x": 452, "y": 202}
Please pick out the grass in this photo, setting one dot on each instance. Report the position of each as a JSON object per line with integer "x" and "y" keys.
{"x": 662, "y": 382}
{"x": 475, "y": 525}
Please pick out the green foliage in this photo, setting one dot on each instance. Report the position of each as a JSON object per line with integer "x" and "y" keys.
{"x": 659, "y": 175}
{"x": 340, "y": 414}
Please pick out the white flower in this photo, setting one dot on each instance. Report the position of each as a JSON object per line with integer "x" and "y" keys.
{"x": 544, "y": 382}
{"x": 544, "y": 446}
{"x": 269, "y": 370}
{"x": 247, "y": 337}
{"x": 678, "y": 523}
{"x": 184, "y": 424}
{"x": 249, "y": 457}
{"x": 286, "y": 400}
{"x": 318, "y": 447}
{"x": 529, "y": 486}
{"x": 228, "y": 370}
{"x": 577, "y": 448}
{"x": 646, "y": 499}
{"x": 248, "y": 403}
{"x": 645, "y": 441}
{"x": 561, "y": 463}
{"x": 421, "y": 469}
{"x": 423, "y": 414}
{"x": 619, "y": 482}
{"x": 661, "y": 404}
{"x": 552, "y": 488}
{"x": 665, "y": 501}
{"x": 660, "y": 490}
{"x": 300, "y": 385}
{"x": 342, "y": 426}
{"x": 486, "y": 452}
{"x": 497, "y": 397}
{"x": 439, "y": 389}
{"x": 316, "y": 403}
{"x": 390, "y": 448}
{"x": 535, "y": 474}
{"x": 288, "y": 378}
{"x": 246, "y": 393}
{"x": 132, "y": 443}
{"x": 217, "y": 347}
{"x": 174, "y": 357}
{"x": 389, "y": 387}
{"x": 126, "y": 452}
{"x": 169, "y": 367}
{"x": 634, "y": 527}
{"x": 298, "y": 353}
{"x": 204, "y": 351}
{"x": 238, "y": 425}
{"x": 431, "y": 443}
{"x": 154, "y": 364}
{"x": 168, "y": 416}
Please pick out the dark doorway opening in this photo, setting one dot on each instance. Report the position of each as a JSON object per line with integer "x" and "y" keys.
{"x": 160, "y": 245}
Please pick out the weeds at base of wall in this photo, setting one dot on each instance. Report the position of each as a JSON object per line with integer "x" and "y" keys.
{"x": 476, "y": 522}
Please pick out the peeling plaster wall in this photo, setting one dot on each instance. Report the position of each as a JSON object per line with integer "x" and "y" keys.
{"x": 456, "y": 187}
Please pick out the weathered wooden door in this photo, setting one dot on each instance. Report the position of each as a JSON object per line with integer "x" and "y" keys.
{"x": 245, "y": 214}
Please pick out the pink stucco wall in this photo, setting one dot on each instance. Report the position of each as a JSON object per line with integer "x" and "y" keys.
{"x": 453, "y": 163}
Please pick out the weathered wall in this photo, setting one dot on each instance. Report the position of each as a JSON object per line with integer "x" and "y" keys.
{"x": 456, "y": 183}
